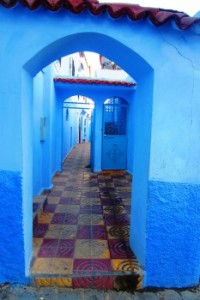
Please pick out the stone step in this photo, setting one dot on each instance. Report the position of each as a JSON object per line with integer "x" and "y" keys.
{"x": 106, "y": 281}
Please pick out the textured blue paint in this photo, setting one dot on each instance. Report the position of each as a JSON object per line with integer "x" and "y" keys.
{"x": 12, "y": 266}
{"x": 173, "y": 235}
{"x": 70, "y": 131}
{"x": 142, "y": 110}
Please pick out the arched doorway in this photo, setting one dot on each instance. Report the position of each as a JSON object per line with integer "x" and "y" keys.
{"x": 130, "y": 149}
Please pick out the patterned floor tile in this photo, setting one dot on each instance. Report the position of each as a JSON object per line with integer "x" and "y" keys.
{"x": 59, "y": 179}
{"x": 83, "y": 248}
{"x": 59, "y": 188}
{"x": 120, "y": 249}
{"x": 118, "y": 232}
{"x": 50, "y": 243}
{"x": 71, "y": 219}
{"x": 96, "y": 209}
{"x": 69, "y": 232}
{"x": 91, "y": 194}
{"x": 82, "y": 282}
{"x": 84, "y": 232}
{"x": 67, "y": 189}
{"x": 58, "y": 218}
{"x": 45, "y": 218}
{"x": 50, "y": 208}
{"x": 95, "y": 201}
{"x": 125, "y": 265}
{"x": 75, "y": 201}
{"x": 109, "y": 201}
{"x": 76, "y": 194}
{"x": 99, "y": 249}
{"x": 61, "y": 266}
{"x": 47, "y": 252}
{"x": 101, "y": 265}
{"x": 37, "y": 242}
{"x": 83, "y": 266}
{"x": 85, "y": 209}
{"x": 58, "y": 282}
{"x": 41, "y": 265}
{"x": 48, "y": 248}
{"x": 65, "y": 248}
{"x": 99, "y": 232}
{"x": 35, "y": 253}
{"x": 61, "y": 208}
{"x": 125, "y": 195}
{"x": 91, "y": 219}
{"x": 73, "y": 209}
{"x": 94, "y": 189}
{"x": 53, "y": 200}
{"x": 54, "y": 231}
{"x": 56, "y": 193}
{"x": 113, "y": 209}
{"x": 65, "y": 200}
{"x": 40, "y": 230}
{"x": 118, "y": 220}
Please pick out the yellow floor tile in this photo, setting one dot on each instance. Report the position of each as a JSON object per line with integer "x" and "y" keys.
{"x": 39, "y": 199}
{"x": 125, "y": 265}
{"x": 37, "y": 242}
{"x": 48, "y": 282}
{"x": 59, "y": 188}
{"x": 45, "y": 218}
{"x": 41, "y": 265}
{"x": 53, "y": 200}
{"x": 61, "y": 266}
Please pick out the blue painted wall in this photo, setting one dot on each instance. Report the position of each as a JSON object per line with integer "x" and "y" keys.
{"x": 44, "y": 148}
{"x": 12, "y": 262}
{"x": 70, "y": 136}
{"x": 141, "y": 131}
{"x": 38, "y": 146}
{"x": 165, "y": 63}
{"x": 172, "y": 234}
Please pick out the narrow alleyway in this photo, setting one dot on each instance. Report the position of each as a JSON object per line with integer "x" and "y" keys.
{"x": 81, "y": 233}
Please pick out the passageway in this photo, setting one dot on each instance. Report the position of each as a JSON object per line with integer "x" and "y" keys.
{"x": 81, "y": 228}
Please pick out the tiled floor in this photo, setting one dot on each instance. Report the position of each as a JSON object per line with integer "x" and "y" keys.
{"x": 81, "y": 237}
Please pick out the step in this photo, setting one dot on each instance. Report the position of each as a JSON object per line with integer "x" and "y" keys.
{"x": 123, "y": 281}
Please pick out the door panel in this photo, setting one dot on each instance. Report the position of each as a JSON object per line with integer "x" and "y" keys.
{"x": 114, "y": 151}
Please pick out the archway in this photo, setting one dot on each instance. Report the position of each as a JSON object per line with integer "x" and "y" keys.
{"x": 141, "y": 142}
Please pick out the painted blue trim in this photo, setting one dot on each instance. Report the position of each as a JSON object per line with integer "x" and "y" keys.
{"x": 173, "y": 235}
{"x": 12, "y": 265}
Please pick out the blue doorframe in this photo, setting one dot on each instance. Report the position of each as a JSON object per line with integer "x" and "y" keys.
{"x": 114, "y": 140}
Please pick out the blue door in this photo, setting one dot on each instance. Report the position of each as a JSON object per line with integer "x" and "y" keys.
{"x": 114, "y": 152}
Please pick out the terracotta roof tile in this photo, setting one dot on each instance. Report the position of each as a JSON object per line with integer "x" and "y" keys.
{"x": 94, "y": 81}
{"x": 134, "y": 12}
